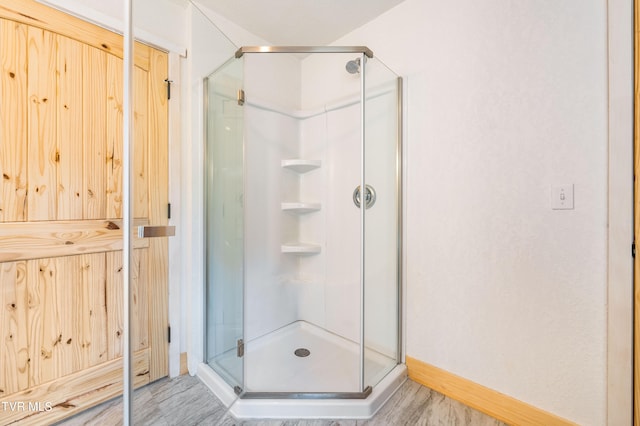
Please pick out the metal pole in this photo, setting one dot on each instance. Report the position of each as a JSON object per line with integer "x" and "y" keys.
{"x": 363, "y": 206}
{"x": 127, "y": 190}
{"x": 400, "y": 224}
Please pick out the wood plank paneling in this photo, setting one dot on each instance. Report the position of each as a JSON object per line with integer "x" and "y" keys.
{"x": 158, "y": 248}
{"x": 488, "y": 401}
{"x": 140, "y": 288}
{"x": 13, "y": 121}
{"x": 14, "y": 352}
{"x": 30, "y": 240}
{"x": 94, "y": 95}
{"x": 94, "y": 281}
{"x": 115, "y": 302}
{"x": 75, "y": 392}
{"x": 69, "y": 287}
{"x": 69, "y": 138}
{"x": 42, "y": 88}
{"x": 40, "y": 16}
{"x": 140, "y": 172}
{"x": 52, "y": 361}
{"x": 115, "y": 305}
{"x": 114, "y": 137}
{"x": 41, "y": 277}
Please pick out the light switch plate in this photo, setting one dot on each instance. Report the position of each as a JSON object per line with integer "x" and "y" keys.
{"x": 562, "y": 197}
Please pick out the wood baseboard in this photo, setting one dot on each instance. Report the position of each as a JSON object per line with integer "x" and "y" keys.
{"x": 488, "y": 401}
{"x": 184, "y": 369}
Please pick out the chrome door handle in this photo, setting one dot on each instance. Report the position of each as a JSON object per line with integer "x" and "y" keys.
{"x": 369, "y": 196}
{"x": 156, "y": 231}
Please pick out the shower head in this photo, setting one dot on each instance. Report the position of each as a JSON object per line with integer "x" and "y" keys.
{"x": 353, "y": 66}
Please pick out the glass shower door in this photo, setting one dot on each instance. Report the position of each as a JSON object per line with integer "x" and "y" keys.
{"x": 382, "y": 230}
{"x": 224, "y": 221}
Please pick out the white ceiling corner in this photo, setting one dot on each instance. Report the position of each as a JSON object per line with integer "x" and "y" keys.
{"x": 300, "y": 22}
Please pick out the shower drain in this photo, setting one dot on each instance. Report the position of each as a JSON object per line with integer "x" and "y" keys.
{"x": 302, "y": 352}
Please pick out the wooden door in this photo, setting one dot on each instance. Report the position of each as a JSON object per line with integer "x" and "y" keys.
{"x": 61, "y": 294}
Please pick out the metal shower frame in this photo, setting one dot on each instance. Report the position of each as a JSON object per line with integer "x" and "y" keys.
{"x": 365, "y": 52}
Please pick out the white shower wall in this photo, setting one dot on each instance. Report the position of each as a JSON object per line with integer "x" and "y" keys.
{"x": 270, "y": 288}
{"x": 270, "y": 296}
{"x": 334, "y": 138}
{"x": 324, "y": 288}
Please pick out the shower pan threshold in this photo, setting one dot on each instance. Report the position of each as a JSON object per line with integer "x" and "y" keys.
{"x": 280, "y": 345}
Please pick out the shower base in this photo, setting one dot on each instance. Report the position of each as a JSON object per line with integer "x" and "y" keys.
{"x": 332, "y": 365}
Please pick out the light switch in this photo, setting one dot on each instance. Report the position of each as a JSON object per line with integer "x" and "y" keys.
{"x": 562, "y": 197}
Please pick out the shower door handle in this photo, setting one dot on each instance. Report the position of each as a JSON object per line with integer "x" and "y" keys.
{"x": 156, "y": 231}
{"x": 369, "y": 196}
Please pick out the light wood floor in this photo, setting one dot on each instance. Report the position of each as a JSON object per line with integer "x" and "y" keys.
{"x": 186, "y": 401}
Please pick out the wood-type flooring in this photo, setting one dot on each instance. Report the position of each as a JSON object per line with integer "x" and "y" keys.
{"x": 185, "y": 401}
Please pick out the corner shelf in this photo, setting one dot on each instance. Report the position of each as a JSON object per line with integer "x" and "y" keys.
{"x": 297, "y": 248}
{"x": 300, "y": 207}
{"x": 300, "y": 249}
{"x": 301, "y": 280}
{"x": 301, "y": 166}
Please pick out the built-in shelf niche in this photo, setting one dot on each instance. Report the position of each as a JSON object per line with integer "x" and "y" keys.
{"x": 301, "y": 248}
{"x": 300, "y": 165}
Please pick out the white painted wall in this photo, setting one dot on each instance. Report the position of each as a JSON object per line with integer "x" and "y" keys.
{"x": 505, "y": 100}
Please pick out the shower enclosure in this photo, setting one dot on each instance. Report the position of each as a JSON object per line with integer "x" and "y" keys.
{"x": 303, "y": 268}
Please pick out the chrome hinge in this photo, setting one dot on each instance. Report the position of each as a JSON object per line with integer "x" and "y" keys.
{"x": 240, "y": 348}
{"x": 240, "y": 97}
{"x": 169, "y": 334}
{"x": 633, "y": 250}
{"x": 169, "y": 211}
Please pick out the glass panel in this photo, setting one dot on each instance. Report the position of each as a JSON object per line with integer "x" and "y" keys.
{"x": 381, "y": 274}
{"x": 224, "y": 213}
{"x": 302, "y": 230}
{"x": 148, "y": 153}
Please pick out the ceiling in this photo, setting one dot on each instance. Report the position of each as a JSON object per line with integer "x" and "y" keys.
{"x": 300, "y": 22}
